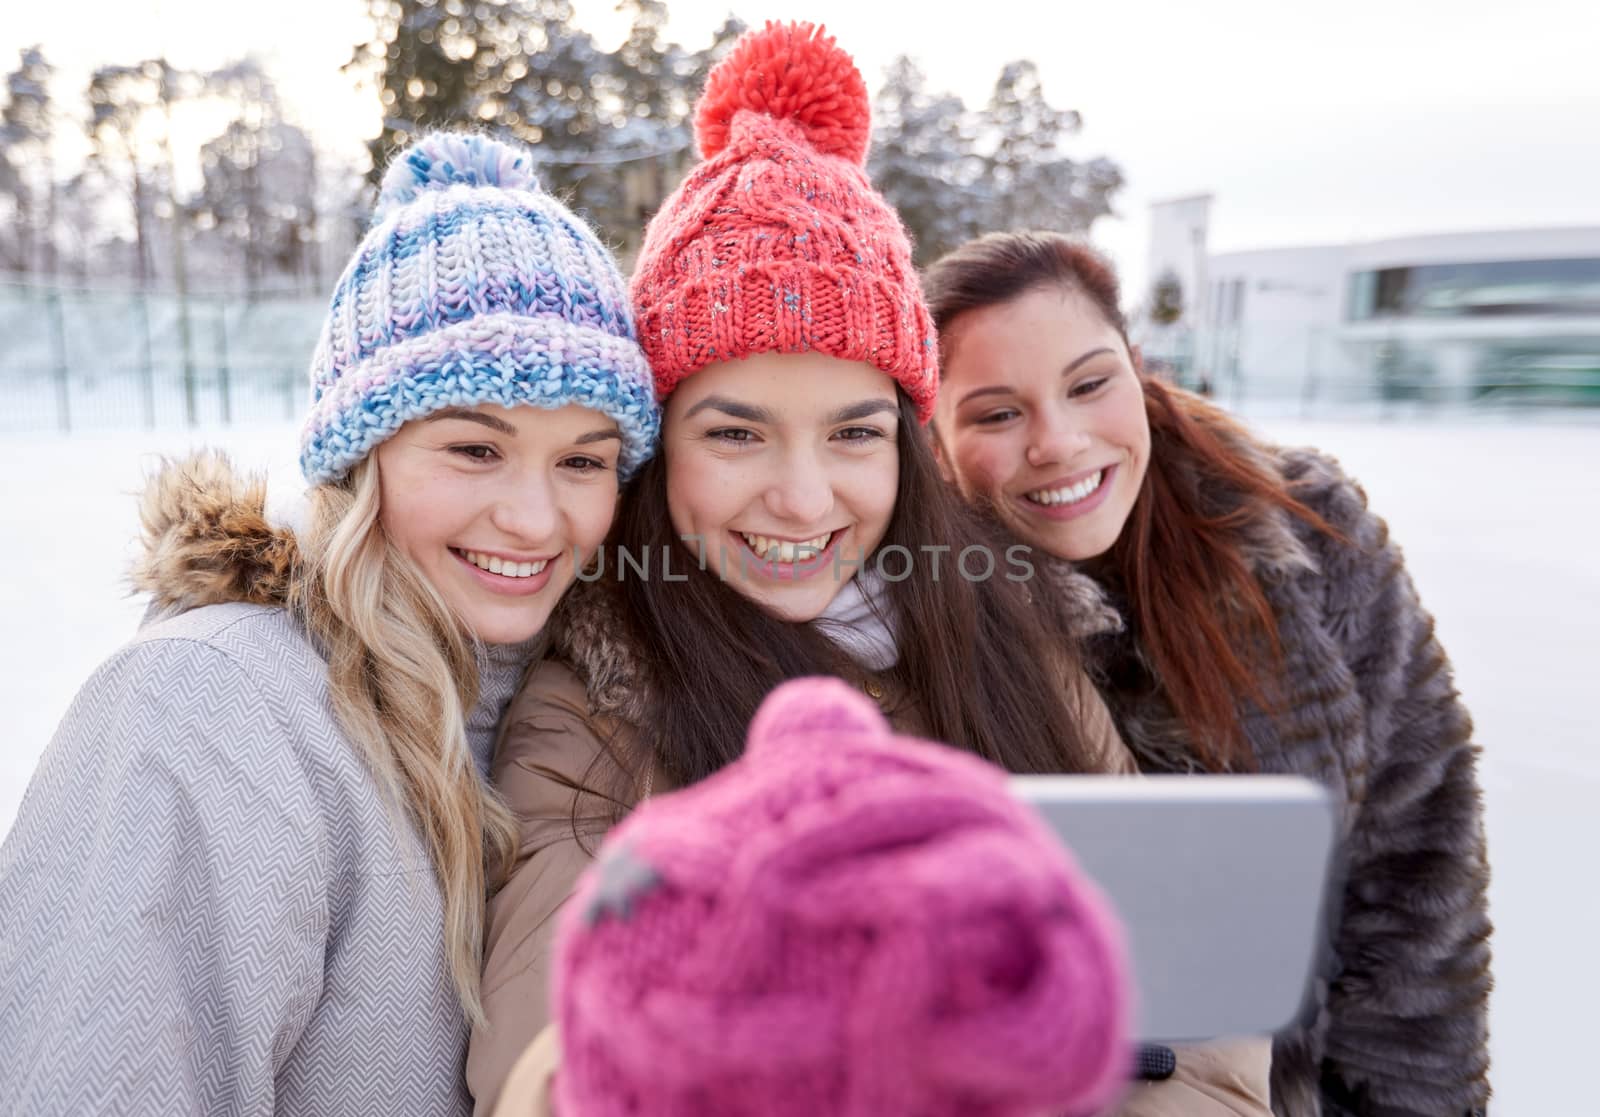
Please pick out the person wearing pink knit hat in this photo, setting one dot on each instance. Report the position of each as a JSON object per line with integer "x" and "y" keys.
{"x": 793, "y": 523}
{"x": 842, "y": 921}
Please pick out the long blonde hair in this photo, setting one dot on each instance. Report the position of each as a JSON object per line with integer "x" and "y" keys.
{"x": 402, "y": 673}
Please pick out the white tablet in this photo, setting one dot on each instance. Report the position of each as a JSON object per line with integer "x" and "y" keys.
{"x": 1219, "y": 881}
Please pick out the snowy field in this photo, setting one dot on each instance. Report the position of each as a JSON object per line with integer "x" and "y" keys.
{"x": 1498, "y": 519}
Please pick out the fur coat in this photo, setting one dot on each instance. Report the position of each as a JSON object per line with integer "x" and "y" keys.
{"x": 1368, "y": 710}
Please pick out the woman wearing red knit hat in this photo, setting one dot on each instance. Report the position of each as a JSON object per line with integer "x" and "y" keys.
{"x": 794, "y": 523}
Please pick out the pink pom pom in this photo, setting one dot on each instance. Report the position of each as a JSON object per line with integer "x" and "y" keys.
{"x": 791, "y": 71}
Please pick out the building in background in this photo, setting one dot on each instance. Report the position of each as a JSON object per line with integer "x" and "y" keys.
{"x": 1509, "y": 315}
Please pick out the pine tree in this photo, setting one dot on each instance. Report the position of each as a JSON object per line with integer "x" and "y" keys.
{"x": 81, "y": 203}
{"x": 27, "y": 179}
{"x": 1166, "y": 299}
{"x": 923, "y": 160}
{"x": 232, "y": 199}
{"x": 121, "y": 99}
{"x": 259, "y": 180}
{"x": 610, "y": 130}
{"x": 442, "y": 63}
{"x": 1038, "y": 186}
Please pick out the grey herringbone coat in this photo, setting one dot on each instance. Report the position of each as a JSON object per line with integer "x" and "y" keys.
{"x": 205, "y": 905}
{"x": 1370, "y": 711}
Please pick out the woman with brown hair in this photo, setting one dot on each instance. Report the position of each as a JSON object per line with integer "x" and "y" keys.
{"x": 794, "y": 523}
{"x": 1267, "y": 624}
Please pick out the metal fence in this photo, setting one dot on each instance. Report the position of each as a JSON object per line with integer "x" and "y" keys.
{"x": 76, "y": 358}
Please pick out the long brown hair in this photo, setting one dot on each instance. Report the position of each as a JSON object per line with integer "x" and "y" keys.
{"x": 1198, "y": 611}
{"x": 976, "y": 657}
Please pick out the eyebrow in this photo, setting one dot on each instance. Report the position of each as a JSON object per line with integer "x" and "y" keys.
{"x": 863, "y": 409}
{"x": 472, "y": 417}
{"x": 753, "y": 414}
{"x": 748, "y": 412}
{"x": 998, "y": 390}
{"x": 599, "y": 436}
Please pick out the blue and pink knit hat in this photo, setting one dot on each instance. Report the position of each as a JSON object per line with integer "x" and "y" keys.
{"x": 472, "y": 286}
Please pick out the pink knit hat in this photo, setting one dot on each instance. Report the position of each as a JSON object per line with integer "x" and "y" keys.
{"x": 841, "y": 922}
{"x": 777, "y": 242}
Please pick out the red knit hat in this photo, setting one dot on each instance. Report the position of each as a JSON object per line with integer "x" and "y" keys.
{"x": 778, "y": 242}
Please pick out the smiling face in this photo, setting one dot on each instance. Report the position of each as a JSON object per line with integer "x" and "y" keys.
{"x": 1041, "y": 410}
{"x": 492, "y": 503}
{"x": 782, "y": 471}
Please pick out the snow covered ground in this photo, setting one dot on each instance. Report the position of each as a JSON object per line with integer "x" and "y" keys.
{"x": 1498, "y": 517}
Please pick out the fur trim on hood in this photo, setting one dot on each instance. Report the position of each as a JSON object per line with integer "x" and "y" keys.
{"x": 590, "y": 631}
{"x": 207, "y": 540}
{"x": 1080, "y": 602}
{"x": 1275, "y": 550}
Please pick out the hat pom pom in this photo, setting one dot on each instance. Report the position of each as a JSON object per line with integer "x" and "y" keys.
{"x": 801, "y": 709}
{"x": 444, "y": 159}
{"x": 795, "y": 72}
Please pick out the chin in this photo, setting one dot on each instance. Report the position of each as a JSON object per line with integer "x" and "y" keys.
{"x": 508, "y": 629}
{"x": 1078, "y": 546}
{"x": 793, "y": 608}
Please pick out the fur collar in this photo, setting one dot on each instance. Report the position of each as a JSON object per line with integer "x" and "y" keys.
{"x": 590, "y": 631}
{"x": 1080, "y": 600}
{"x": 206, "y": 539}
{"x": 1272, "y": 546}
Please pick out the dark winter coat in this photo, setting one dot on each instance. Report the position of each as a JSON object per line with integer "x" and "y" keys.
{"x": 1370, "y": 711}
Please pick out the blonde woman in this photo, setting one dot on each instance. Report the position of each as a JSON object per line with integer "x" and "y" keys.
{"x": 249, "y": 874}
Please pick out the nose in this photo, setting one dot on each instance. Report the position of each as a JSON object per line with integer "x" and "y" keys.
{"x": 801, "y": 492}
{"x": 1055, "y": 438}
{"x": 525, "y": 509}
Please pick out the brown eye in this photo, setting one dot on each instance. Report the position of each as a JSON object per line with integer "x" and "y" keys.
{"x": 995, "y": 418}
{"x": 583, "y": 464}
{"x": 736, "y": 435}
{"x": 1088, "y": 387}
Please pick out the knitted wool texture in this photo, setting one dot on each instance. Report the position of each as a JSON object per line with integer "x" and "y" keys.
{"x": 473, "y": 286}
{"x": 778, "y": 242}
{"x": 841, "y": 922}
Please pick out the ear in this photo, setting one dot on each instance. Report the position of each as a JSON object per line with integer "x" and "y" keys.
{"x": 1136, "y": 354}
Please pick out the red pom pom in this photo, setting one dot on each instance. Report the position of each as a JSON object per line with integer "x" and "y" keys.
{"x": 792, "y": 71}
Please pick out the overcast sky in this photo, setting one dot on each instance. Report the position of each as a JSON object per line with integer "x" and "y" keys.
{"x": 1366, "y": 119}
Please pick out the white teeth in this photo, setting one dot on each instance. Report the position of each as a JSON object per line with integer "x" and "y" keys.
{"x": 781, "y": 550}
{"x": 1069, "y": 495}
{"x": 496, "y": 565}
